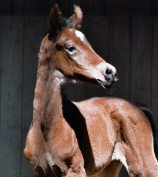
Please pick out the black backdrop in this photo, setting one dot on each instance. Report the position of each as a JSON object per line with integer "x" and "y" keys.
{"x": 123, "y": 32}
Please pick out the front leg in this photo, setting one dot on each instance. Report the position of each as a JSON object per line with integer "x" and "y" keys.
{"x": 63, "y": 153}
{"x": 35, "y": 150}
{"x": 76, "y": 169}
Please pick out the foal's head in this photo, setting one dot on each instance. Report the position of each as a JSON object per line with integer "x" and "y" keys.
{"x": 71, "y": 53}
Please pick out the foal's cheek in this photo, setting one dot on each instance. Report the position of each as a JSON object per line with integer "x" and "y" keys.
{"x": 66, "y": 65}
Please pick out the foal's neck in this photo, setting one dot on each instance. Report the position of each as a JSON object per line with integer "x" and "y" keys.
{"x": 48, "y": 98}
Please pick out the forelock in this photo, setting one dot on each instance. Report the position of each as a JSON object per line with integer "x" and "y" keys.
{"x": 67, "y": 23}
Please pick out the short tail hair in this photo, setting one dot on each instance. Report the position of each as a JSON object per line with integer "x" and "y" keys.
{"x": 149, "y": 115}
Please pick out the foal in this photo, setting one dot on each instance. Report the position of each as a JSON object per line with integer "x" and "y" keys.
{"x": 88, "y": 138}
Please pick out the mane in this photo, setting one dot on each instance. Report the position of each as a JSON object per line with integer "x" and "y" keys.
{"x": 44, "y": 55}
{"x": 67, "y": 23}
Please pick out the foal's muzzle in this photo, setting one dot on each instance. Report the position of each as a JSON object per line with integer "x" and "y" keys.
{"x": 110, "y": 78}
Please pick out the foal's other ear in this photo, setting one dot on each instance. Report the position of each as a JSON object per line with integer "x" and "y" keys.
{"x": 76, "y": 19}
{"x": 55, "y": 22}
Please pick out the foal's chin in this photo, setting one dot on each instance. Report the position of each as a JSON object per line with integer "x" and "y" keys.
{"x": 105, "y": 84}
{"x": 94, "y": 82}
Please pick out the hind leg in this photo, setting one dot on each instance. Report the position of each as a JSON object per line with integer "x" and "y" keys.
{"x": 137, "y": 141}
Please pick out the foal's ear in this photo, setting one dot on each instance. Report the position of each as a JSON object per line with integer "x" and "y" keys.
{"x": 76, "y": 18}
{"x": 55, "y": 21}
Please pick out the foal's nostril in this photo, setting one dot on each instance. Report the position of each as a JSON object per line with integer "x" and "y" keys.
{"x": 108, "y": 71}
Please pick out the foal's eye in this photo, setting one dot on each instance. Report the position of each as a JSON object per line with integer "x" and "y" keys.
{"x": 71, "y": 49}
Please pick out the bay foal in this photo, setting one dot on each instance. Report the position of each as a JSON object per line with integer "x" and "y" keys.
{"x": 88, "y": 138}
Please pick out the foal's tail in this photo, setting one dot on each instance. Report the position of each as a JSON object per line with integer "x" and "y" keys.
{"x": 149, "y": 115}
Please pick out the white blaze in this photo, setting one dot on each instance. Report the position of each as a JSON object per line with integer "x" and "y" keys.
{"x": 80, "y": 35}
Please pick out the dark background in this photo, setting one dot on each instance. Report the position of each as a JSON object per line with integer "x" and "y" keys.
{"x": 124, "y": 33}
